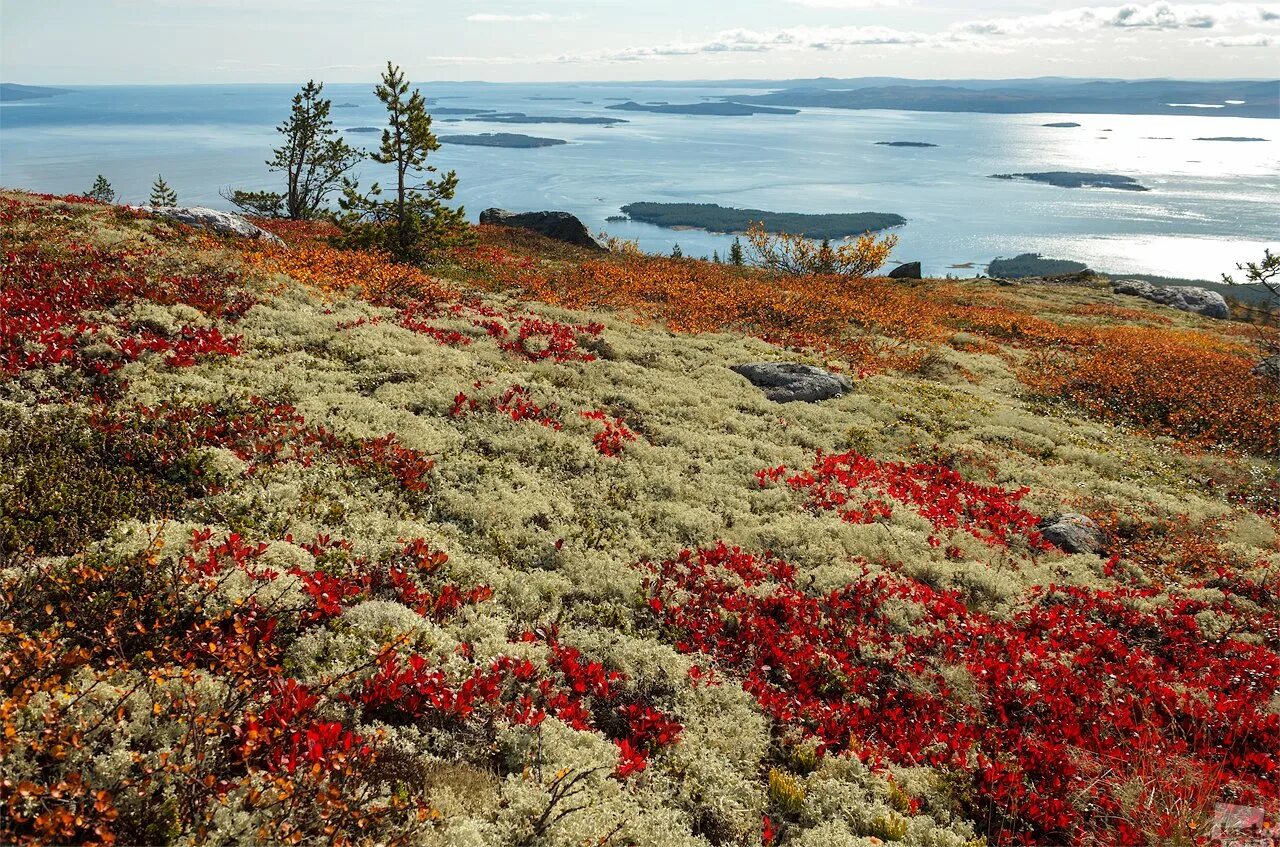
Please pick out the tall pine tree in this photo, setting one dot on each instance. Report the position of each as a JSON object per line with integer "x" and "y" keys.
{"x": 413, "y": 221}
{"x": 735, "y": 253}
{"x": 314, "y": 159}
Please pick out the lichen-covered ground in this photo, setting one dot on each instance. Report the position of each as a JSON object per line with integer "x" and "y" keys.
{"x": 301, "y": 546}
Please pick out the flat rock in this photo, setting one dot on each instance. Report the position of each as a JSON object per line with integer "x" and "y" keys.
{"x": 910, "y": 270}
{"x": 786, "y": 382}
{"x": 1072, "y": 532}
{"x": 1199, "y": 301}
{"x": 223, "y": 223}
{"x": 560, "y": 226}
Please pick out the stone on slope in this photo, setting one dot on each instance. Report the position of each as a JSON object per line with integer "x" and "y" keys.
{"x": 560, "y": 226}
{"x": 1268, "y": 368}
{"x": 1073, "y": 533}
{"x": 785, "y": 382}
{"x": 1199, "y": 301}
{"x": 223, "y": 223}
{"x": 910, "y": 270}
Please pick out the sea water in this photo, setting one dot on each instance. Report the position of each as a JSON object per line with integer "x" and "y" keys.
{"x": 1211, "y": 203}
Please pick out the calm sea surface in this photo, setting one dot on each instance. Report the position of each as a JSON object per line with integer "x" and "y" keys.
{"x": 1212, "y": 203}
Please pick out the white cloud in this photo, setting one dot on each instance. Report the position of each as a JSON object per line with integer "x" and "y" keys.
{"x": 1256, "y": 40}
{"x": 1153, "y": 16}
{"x": 490, "y": 18}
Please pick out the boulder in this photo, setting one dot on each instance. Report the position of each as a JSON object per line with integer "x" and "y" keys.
{"x": 911, "y": 270}
{"x": 223, "y": 223}
{"x": 785, "y": 382}
{"x": 1188, "y": 298}
{"x": 1073, "y": 533}
{"x": 1268, "y": 368}
{"x": 560, "y": 226}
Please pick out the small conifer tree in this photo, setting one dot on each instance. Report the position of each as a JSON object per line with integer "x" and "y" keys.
{"x": 413, "y": 221}
{"x": 735, "y": 253}
{"x": 162, "y": 194}
{"x": 676, "y": 252}
{"x": 101, "y": 191}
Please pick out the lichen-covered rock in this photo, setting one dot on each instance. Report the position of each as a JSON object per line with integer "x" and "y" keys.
{"x": 784, "y": 382}
{"x": 560, "y": 226}
{"x": 223, "y": 223}
{"x": 1188, "y": 298}
{"x": 1073, "y": 533}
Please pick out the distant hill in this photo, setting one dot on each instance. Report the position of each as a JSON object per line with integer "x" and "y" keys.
{"x": 12, "y": 91}
{"x": 1238, "y": 99}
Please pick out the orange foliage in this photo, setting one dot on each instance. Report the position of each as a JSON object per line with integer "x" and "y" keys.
{"x": 374, "y": 275}
{"x": 1180, "y": 383}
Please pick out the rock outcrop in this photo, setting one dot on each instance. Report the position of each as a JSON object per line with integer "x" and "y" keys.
{"x": 223, "y": 223}
{"x": 1073, "y": 533}
{"x": 1200, "y": 301}
{"x": 910, "y": 270}
{"x": 560, "y": 226}
{"x": 786, "y": 382}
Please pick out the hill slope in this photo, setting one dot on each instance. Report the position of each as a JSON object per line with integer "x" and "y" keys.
{"x": 299, "y": 541}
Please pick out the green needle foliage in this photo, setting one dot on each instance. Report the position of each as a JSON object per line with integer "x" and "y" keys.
{"x": 162, "y": 194}
{"x": 411, "y": 221}
{"x": 101, "y": 191}
{"x": 314, "y": 159}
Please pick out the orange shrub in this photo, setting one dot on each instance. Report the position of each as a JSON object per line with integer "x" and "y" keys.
{"x": 374, "y": 275}
{"x": 1182, "y": 384}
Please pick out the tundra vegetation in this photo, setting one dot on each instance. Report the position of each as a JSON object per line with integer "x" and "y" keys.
{"x": 303, "y": 545}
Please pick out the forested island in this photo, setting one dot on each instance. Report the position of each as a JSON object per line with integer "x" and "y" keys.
{"x": 362, "y": 129}
{"x": 905, "y": 144}
{"x": 12, "y": 92}
{"x": 1078, "y": 179}
{"x": 521, "y": 118}
{"x": 716, "y": 218}
{"x": 1062, "y": 125}
{"x": 723, "y": 109}
{"x": 502, "y": 139}
{"x": 1230, "y": 138}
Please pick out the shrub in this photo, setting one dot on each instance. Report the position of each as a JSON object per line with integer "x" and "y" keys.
{"x": 799, "y": 256}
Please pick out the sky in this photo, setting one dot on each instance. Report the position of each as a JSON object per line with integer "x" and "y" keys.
{"x": 230, "y": 41}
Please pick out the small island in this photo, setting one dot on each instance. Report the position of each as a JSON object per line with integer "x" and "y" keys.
{"x": 1078, "y": 179}
{"x": 716, "y": 109}
{"x": 1032, "y": 264}
{"x": 715, "y": 218}
{"x": 1062, "y": 125}
{"x": 13, "y": 92}
{"x": 455, "y": 110}
{"x": 502, "y": 139}
{"x": 1230, "y": 138}
{"x": 346, "y": 105}
{"x": 905, "y": 144}
{"x": 521, "y": 118}
{"x": 362, "y": 129}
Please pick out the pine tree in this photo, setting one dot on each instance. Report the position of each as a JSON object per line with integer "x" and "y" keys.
{"x": 314, "y": 159}
{"x": 162, "y": 194}
{"x": 715, "y": 257}
{"x": 735, "y": 253}
{"x": 676, "y": 252}
{"x": 414, "y": 221}
{"x": 101, "y": 191}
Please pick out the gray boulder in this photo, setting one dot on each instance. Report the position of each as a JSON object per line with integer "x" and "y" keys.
{"x": 1268, "y": 368}
{"x": 1073, "y": 533}
{"x": 785, "y": 382}
{"x": 911, "y": 270}
{"x": 1188, "y": 298}
{"x": 560, "y": 226}
{"x": 223, "y": 223}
